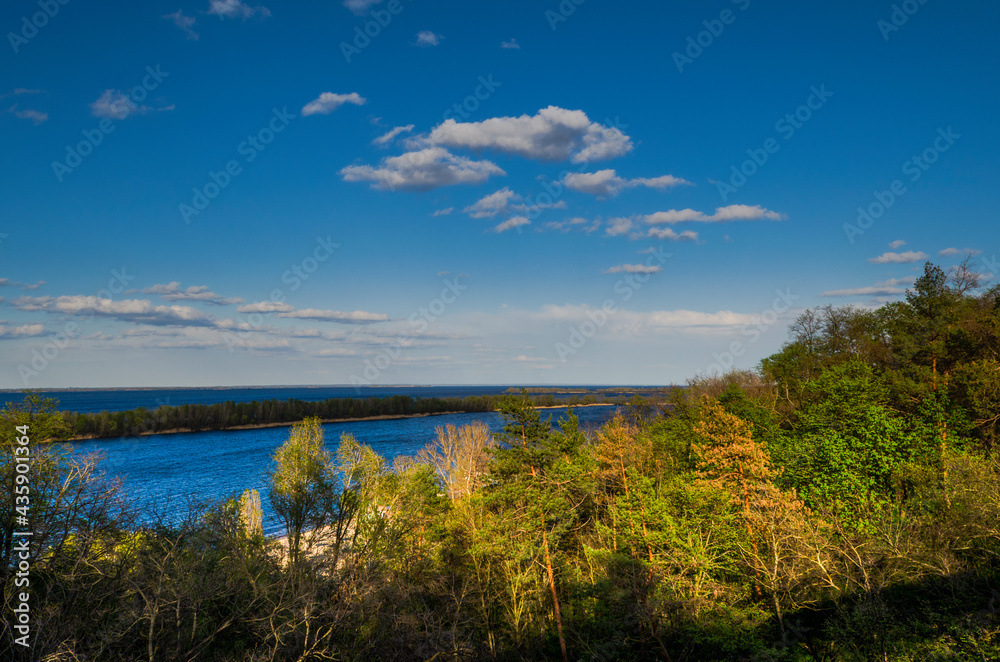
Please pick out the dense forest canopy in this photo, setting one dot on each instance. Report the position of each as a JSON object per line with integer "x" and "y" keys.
{"x": 842, "y": 502}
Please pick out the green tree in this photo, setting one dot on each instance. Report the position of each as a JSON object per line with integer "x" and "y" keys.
{"x": 303, "y": 486}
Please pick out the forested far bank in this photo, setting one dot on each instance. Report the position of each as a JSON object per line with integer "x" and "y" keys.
{"x": 842, "y": 502}
{"x": 269, "y": 413}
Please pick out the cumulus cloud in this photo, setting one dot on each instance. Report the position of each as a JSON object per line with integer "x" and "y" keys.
{"x": 510, "y": 44}
{"x": 896, "y": 244}
{"x": 422, "y": 170}
{"x": 235, "y": 9}
{"x": 185, "y": 23}
{"x": 172, "y": 292}
{"x": 618, "y": 227}
{"x": 389, "y": 136}
{"x": 23, "y": 331}
{"x": 635, "y": 269}
{"x": 327, "y": 102}
{"x": 552, "y": 134}
{"x": 428, "y": 38}
{"x": 512, "y": 223}
{"x": 722, "y": 214}
{"x": 137, "y": 311}
{"x": 607, "y": 183}
{"x": 899, "y": 258}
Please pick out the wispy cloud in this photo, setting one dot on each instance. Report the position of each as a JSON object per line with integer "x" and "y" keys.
{"x": 443, "y": 212}
{"x": 116, "y": 105}
{"x": 236, "y": 9}
{"x": 899, "y": 258}
{"x": 327, "y": 102}
{"x": 360, "y": 7}
{"x": 885, "y": 288}
{"x": 607, "y": 183}
{"x": 185, "y": 23}
{"x": 173, "y": 292}
{"x": 506, "y": 201}
{"x": 138, "y": 311}
{"x": 512, "y": 44}
{"x": 428, "y": 38}
{"x": 390, "y": 135}
{"x": 948, "y": 252}
{"x": 36, "y": 116}
{"x": 6, "y": 282}
{"x": 512, "y": 223}
{"x": 722, "y": 214}
{"x": 899, "y": 243}
{"x": 635, "y": 269}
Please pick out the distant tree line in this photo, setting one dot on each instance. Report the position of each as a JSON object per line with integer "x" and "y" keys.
{"x": 224, "y": 415}
{"x": 841, "y": 502}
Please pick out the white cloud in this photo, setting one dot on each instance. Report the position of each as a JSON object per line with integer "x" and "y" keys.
{"x": 235, "y": 8}
{"x": 422, "y": 170}
{"x": 173, "y": 292}
{"x": 36, "y": 116}
{"x": 505, "y": 201}
{"x": 428, "y": 38}
{"x": 510, "y": 44}
{"x": 618, "y": 227}
{"x": 116, "y": 105}
{"x": 265, "y": 307}
{"x": 654, "y": 319}
{"x": 635, "y": 269}
{"x": 899, "y": 258}
{"x": 948, "y": 252}
{"x": 885, "y": 288}
{"x": 7, "y": 282}
{"x": 355, "y": 317}
{"x": 512, "y": 223}
{"x": 493, "y": 204}
{"x": 327, "y": 102}
{"x": 360, "y": 7}
{"x": 552, "y": 134}
{"x": 185, "y": 23}
{"x": 729, "y": 213}
{"x": 443, "y": 212}
{"x": 896, "y": 244}
{"x": 389, "y": 136}
{"x": 576, "y": 223}
{"x": 607, "y": 183}
{"x": 137, "y": 311}
{"x": 23, "y": 331}
{"x": 668, "y": 233}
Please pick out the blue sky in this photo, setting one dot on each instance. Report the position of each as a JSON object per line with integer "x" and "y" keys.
{"x": 516, "y": 192}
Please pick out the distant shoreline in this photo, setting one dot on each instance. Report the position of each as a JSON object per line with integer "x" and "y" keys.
{"x": 358, "y": 419}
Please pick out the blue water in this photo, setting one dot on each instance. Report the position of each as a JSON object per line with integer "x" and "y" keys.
{"x": 163, "y": 472}
{"x": 98, "y": 400}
